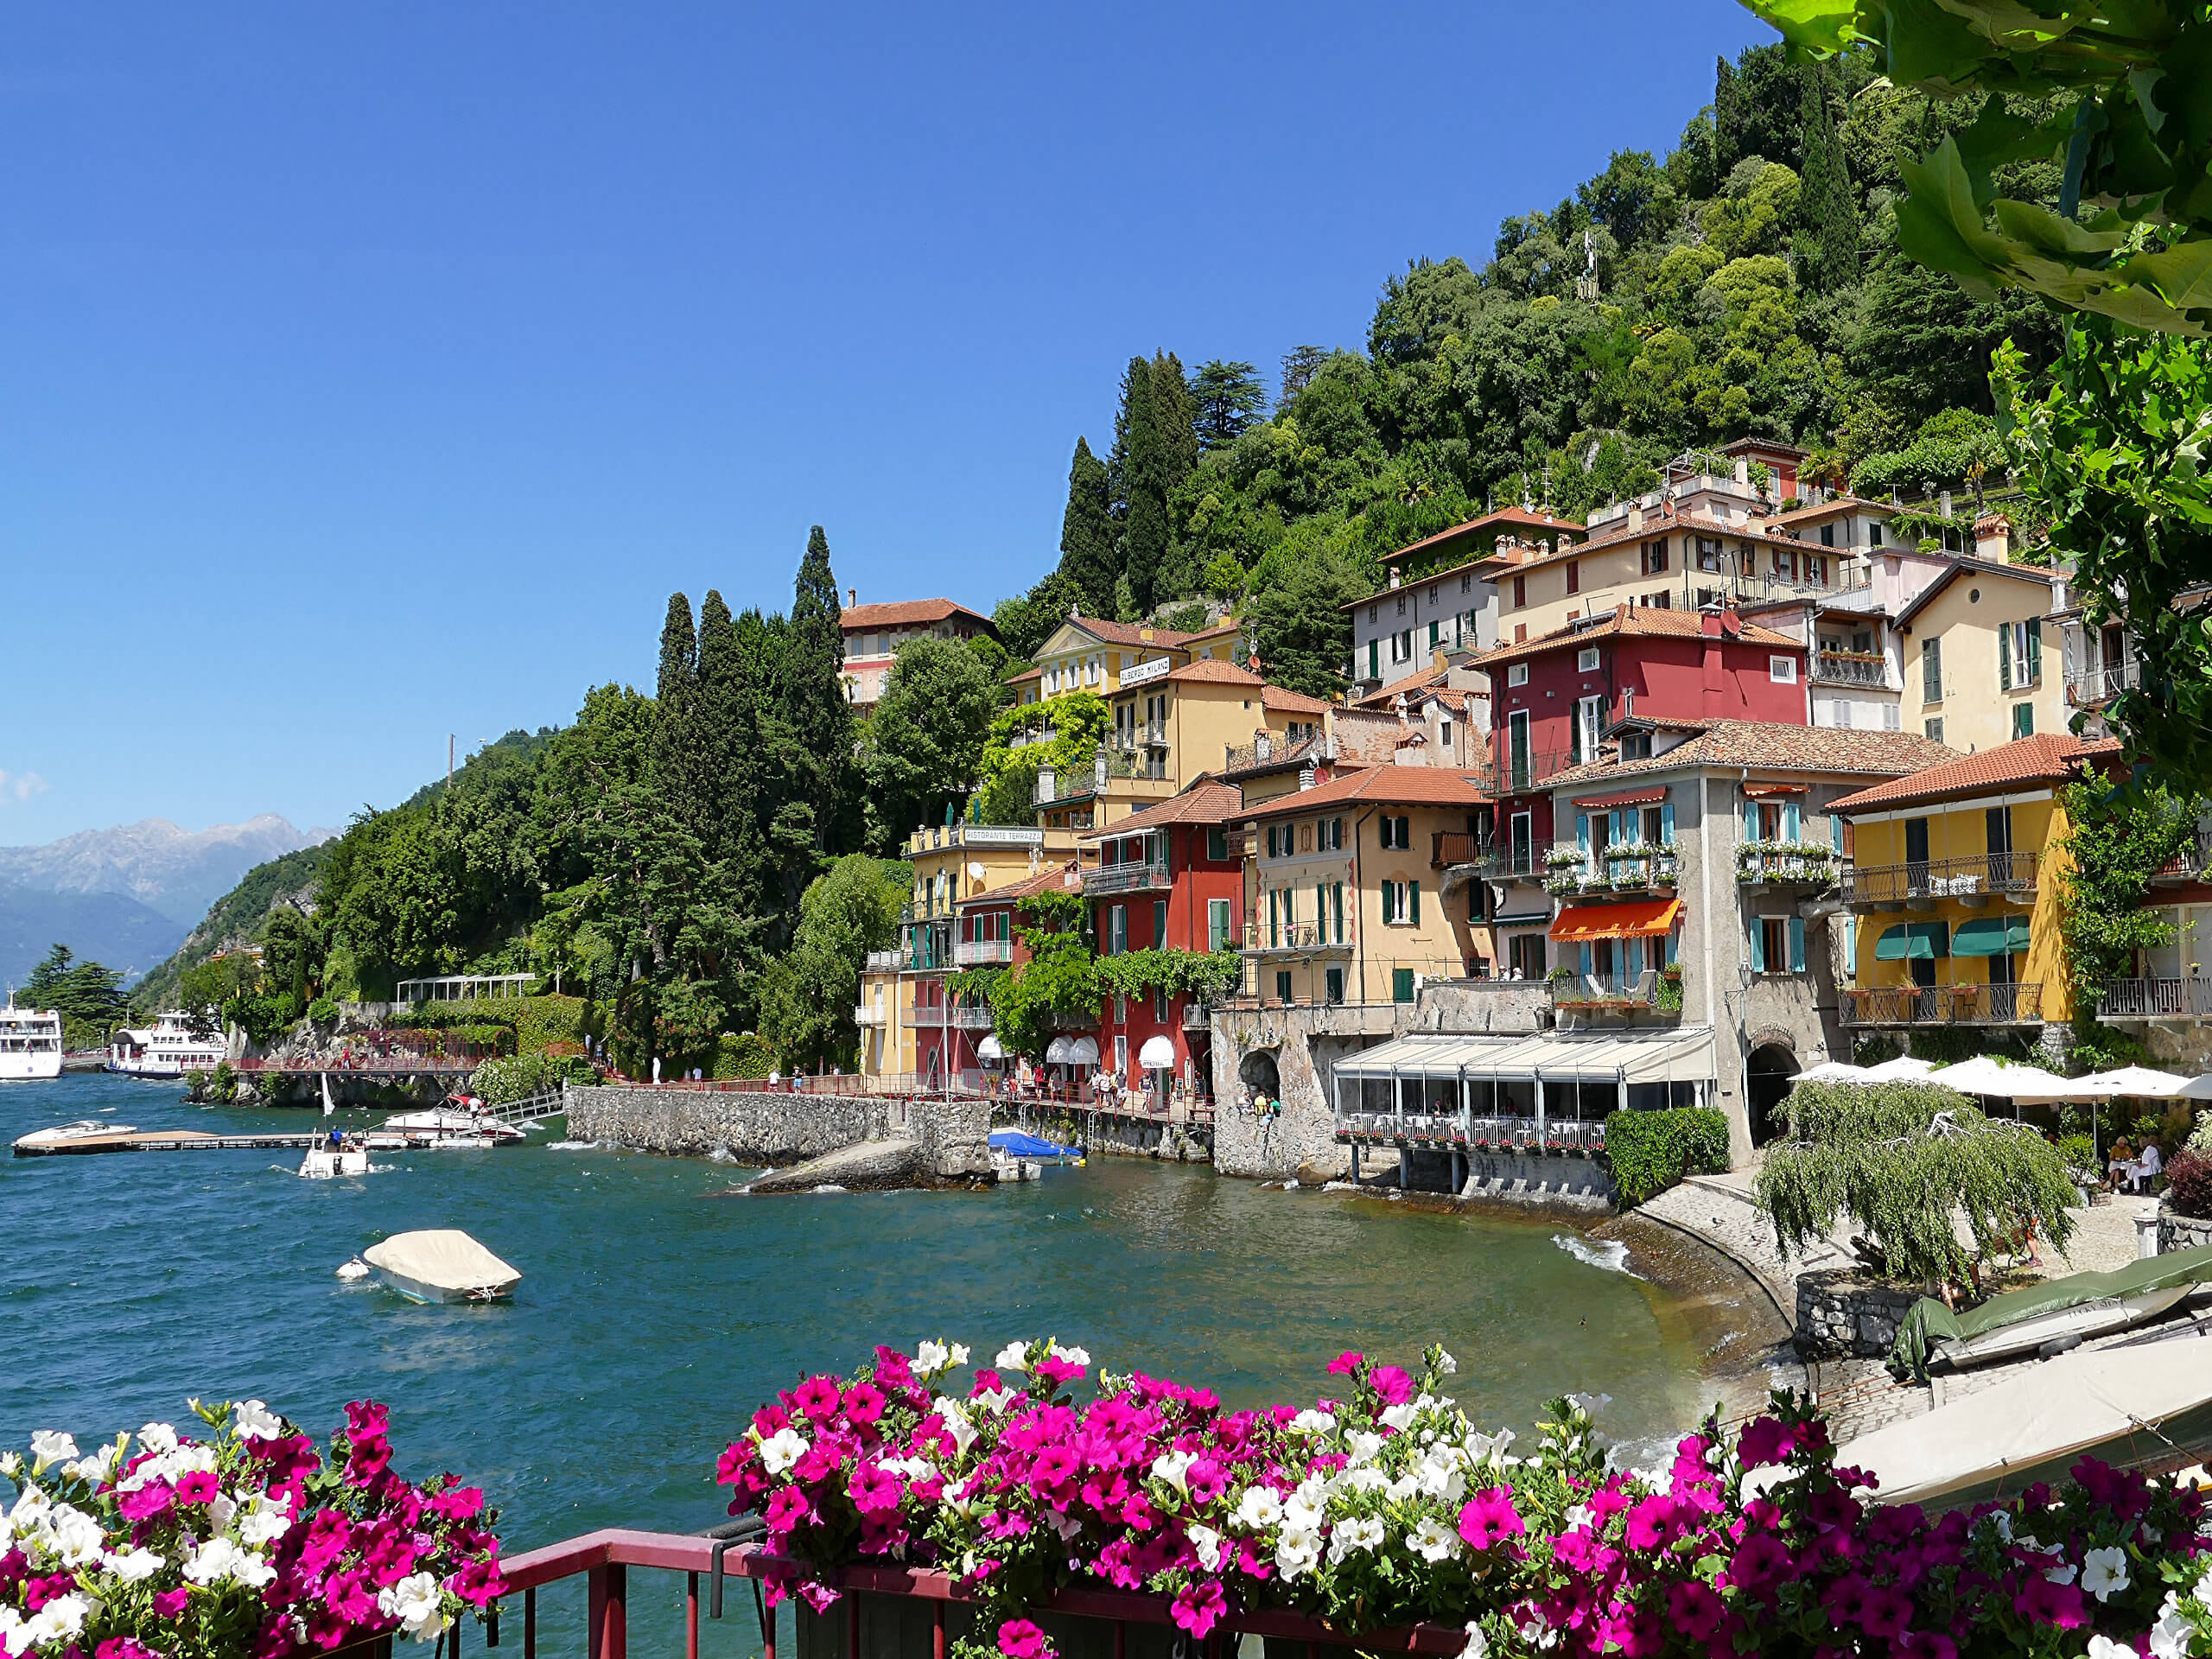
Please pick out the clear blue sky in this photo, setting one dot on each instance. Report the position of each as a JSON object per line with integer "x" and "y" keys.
{"x": 371, "y": 373}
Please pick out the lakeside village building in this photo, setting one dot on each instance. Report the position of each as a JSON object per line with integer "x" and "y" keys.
{"x": 1660, "y": 809}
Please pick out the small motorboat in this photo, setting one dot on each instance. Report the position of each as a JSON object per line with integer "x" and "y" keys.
{"x": 332, "y": 1159}
{"x": 2062, "y": 1327}
{"x": 440, "y": 1265}
{"x": 454, "y": 1124}
{"x": 85, "y": 1129}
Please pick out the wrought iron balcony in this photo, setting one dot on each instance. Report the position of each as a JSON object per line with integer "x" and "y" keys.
{"x": 1760, "y": 864}
{"x": 1127, "y": 878}
{"x": 982, "y": 953}
{"x": 1270, "y": 748}
{"x": 1835, "y": 668}
{"x": 1261, "y": 937}
{"x": 2086, "y": 688}
{"x": 971, "y": 1016}
{"x": 886, "y": 962}
{"x": 2156, "y": 999}
{"x": 1945, "y": 1005}
{"x": 1921, "y": 884}
{"x": 868, "y": 1015}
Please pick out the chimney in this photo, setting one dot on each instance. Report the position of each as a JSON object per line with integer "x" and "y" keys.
{"x": 1947, "y": 504}
{"x": 1636, "y": 519}
{"x": 1992, "y": 538}
{"x": 1742, "y": 470}
{"x": 852, "y": 597}
{"x": 1394, "y": 576}
{"x": 1708, "y": 622}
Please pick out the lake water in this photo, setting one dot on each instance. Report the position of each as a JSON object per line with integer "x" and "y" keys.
{"x": 655, "y": 1313}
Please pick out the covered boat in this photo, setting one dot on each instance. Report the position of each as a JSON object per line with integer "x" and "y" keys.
{"x": 1931, "y": 1332}
{"x": 2147, "y": 1407}
{"x": 440, "y": 1265}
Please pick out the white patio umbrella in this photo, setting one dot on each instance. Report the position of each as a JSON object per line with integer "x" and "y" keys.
{"x": 1984, "y": 1075}
{"x": 1904, "y": 1069}
{"x": 1834, "y": 1071}
{"x": 2141, "y": 1083}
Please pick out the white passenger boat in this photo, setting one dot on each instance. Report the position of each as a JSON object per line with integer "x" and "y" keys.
{"x": 440, "y": 1265}
{"x": 168, "y": 1048}
{"x": 30, "y": 1043}
{"x": 330, "y": 1160}
{"x": 451, "y": 1125}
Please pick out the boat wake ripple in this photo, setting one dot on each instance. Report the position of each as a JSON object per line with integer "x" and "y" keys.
{"x": 1609, "y": 1254}
{"x": 571, "y": 1146}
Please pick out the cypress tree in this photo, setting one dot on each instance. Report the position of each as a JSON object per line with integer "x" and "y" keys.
{"x": 1136, "y": 388}
{"x": 1163, "y": 447}
{"x": 1177, "y": 413}
{"x": 1087, "y": 557}
{"x": 1827, "y": 241}
{"x": 673, "y": 775}
{"x": 732, "y": 756}
{"x": 679, "y": 651}
{"x": 816, "y": 720}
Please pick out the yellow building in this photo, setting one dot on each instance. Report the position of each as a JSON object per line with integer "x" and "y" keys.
{"x": 1976, "y": 671}
{"x": 901, "y": 989}
{"x": 1349, "y": 899}
{"x": 1953, "y": 890}
{"x": 1088, "y": 653}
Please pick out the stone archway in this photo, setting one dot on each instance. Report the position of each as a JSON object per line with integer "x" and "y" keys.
{"x": 1766, "y": 1082}
{"x": 1257, "y": 1071}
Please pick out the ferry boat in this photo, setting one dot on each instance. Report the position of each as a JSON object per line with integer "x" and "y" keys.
{"x": 30, "y": 1043}
{"x": 167, "y": 1049}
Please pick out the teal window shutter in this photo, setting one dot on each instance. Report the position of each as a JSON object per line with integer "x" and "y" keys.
{"x": 1796, "y": 944}
{"x": 1667, "y": 822}
{"x": 2034, "y": 665}
{"x": 1635, "y": 958}
{"x": 1758, "y": 946}
{"x": 1320, "y": 910}
{"x": 1851, "y": 945}
{"x": 1790, "y": 821}
{"x": 1612, "y": 829}
{"x": 2004, "y": 656}
{"x": 1673, "y": 943}
{"x": 1586, "y": 963}
{"x": 1582, "y": 832}
{"x": 1416, "y": 898}
{"x": 1751, "y": 820}
{"x": 1835, "y": 832}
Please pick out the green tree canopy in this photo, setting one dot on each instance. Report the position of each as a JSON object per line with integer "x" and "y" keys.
{"x": 923, "y": 749}
{"x": 811, "y": 992}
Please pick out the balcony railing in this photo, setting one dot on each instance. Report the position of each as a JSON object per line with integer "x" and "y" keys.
{"x": 1944, "y": 1005}
{"x": 1126, "y": 878}
{"x": 2088, "y": 687}
{"x": 1197, "y": 1015}
{"x": 1941, "y": 878}
{"x": 1569, "y": 869}
{"x": 982, "y": 953}
{"x": 1515, "y": 774}
{"x": 1768, "y": 864}
{"x": 1288, "y": 936}
{"x": 1524, "y": 1135}
{"x": 2156, "y": 999}
{"x": 2192, "y": 861}
{"x": 931, "y": 1015}
{"x": 886, "y": 962}
{"x": 971, "y": 1016}
{"x": 870, "y": 1014}
{"x": 1830, "y": 668}
{"x": 1449, "y": 847}
{"x": 1264, "y": 751}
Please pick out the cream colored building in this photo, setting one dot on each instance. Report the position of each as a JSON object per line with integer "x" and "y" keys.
{"x": 1982, "y": 661}
{"x": 1088, "y": 653}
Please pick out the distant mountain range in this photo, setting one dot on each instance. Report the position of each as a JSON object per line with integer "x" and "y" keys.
{"x": 128, "y": 896}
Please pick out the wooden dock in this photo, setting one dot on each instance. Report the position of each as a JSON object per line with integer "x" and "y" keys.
{"x": 34, "y": 1146}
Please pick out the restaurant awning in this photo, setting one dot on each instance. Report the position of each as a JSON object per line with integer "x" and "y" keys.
{"x": 1686, "y": 1055}
{"x": 1916, "y": 941}
{"x": 1991, "y": 936}
{"x": 989, "y": 1049}
{"x": 1157, "y": 1054}
{"x": 1644, "y": 918}
{"x": 1627, "y": 797}
{"x": 1083, "y": 1051}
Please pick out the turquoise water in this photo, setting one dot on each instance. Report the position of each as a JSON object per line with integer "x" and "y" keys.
{"x": 654, "y": 1314}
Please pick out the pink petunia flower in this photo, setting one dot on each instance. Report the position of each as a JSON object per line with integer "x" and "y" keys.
{"x": 1346, "y": 1363}
{"x": 1392, "y": 1382}
{"x": 1490, "y": 1518}
{"x": 1198, "y": 1606}
{"x": 1019, "y": 1639}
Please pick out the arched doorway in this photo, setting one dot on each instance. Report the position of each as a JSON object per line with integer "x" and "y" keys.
{"x": 1773, "y": 1063}
{"x": 1257, "y": 1073}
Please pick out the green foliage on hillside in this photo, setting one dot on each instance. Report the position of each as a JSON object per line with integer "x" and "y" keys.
{"x": 85, "y": 995}
{"x": 239, "y": 914}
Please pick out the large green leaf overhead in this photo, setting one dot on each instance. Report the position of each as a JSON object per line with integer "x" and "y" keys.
{"x": 2131, "y": 236}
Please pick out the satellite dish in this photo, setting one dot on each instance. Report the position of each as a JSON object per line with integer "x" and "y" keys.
{"x": 976, "y": 871}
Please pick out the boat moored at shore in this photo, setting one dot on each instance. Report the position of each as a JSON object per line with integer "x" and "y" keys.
{"x": 168, "y": 1049}
{"x": 30, "y": 1044}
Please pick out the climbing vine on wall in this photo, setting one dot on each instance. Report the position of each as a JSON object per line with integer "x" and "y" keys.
{"x": 2117, "y": 840}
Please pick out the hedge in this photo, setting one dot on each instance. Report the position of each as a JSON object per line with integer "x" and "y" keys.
{"x": 538, "y": 1022}
{"x": 520, "y": 1076}
{"x": 1651, "y": 1151}
{"x": 744, "y": 1057}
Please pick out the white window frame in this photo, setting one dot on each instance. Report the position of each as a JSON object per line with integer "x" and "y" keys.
{"x": 1782, "y": 671}
{"x": 1585, "y": 660}
{"x": 1516, "y": 673}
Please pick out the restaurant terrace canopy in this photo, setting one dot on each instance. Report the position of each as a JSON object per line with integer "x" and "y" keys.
{"x": 1550, "y": 1074}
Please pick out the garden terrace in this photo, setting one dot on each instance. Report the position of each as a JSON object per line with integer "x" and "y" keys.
{"x": 1579, "y": 1001}
{"x": 1919, "y": 885}
{"x": 1945, "y": 1005}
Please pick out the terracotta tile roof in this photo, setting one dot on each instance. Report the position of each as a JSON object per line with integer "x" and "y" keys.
{"x": 1025, "y": 674}
{"x": 1212, "y": 670}
{"x": 1633, "y": 621}
{"x": 2046, "y": 757}
{"x": 1833, "y": 507}
{"x": 1227, "y": 625}
{"x": 1207, "y": 801}
{"x": 1053, "y": 877}
{"x": 1419, "y": 680}
{"x": 1960, "y": 565}
{"x": 1763, "y": 446}
{"x": 1657, "y": 524}
{"x": 1504, "y": 518}
{"x": 905, "y": 613}
{"x": 1292, "y": 703}
{"x": 1130, "y": 633}
{"x": 1383, "y": 786}
{"x": 1739, "y": 743}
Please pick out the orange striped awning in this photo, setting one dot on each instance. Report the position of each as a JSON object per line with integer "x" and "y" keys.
{"x": 1645, "y": 918}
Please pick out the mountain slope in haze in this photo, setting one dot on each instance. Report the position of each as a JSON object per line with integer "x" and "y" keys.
{"x": 237, "y": 915}
{"x": 168, "y": 869}
{"x": 109, "y": 928}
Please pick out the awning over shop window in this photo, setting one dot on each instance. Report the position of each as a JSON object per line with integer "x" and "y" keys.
{"x": 1157, "y": 1054}
{"x": 1631, "y": 798}
{"x": 1083, "y": 1051}
{"x": 1991, "y": 936}
{"x": 1686, "y": 1055}
{"x": 1760, "y": 791}
{"x": 1913, "y": 941}
{"x": 1645, "y": 918}
{"x": 989, "y": 1049}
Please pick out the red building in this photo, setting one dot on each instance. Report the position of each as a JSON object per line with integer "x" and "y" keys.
{"x": 1168, "y": 878}
{"x": 1623, "y": 677}
{"x": 985, "y": 934}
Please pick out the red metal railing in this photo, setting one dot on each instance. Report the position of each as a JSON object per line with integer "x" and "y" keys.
{"x": 604, "y": 1559}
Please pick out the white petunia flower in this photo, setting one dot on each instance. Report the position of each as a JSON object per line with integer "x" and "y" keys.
{"x": 264, "y": 1520}
{"x": 781, "y": 1450}
{"x": 1311, "y": 1421}
{"x": 135, "y": 1565}
{"x": 2062, "y": 1573}
{"x": 1014, "y": 1356}
{"x": 254, "y": 1421}
{"x": 11, "y": 1464}
{"x": 221, "y": 1509}
{"x": 1174, "y": 1468}
{"x": 50, "y": 1446}
{"x": 931, "y": 1357}
{"x": 2104, "y": 1572}
{"x": 960, "y": 1353}
{"x": 995, "y": 1400}
{"x": 1259, "y": 1507}
{"x": 1073, "y": 1356}
{"x": 73, "y": 1538}
{"x": 1478, "y": 1645}
{"x": 1207, "y": 1542}
{"x": 2170, "y": 1638}
{"x": 97, "y": 1467}
{"x": 2103, "y": 1646}
{"x": 1398, "y": 1417}
{"x": 219, "y": 1559}
{"x": 158, "y": 1438}
{"x": 1432, "y": 1540}
{"x": 1363, "y": 1446}
{"x": 1447, "y": 1366}
{"x": 957, "y": 1424}
{"x": 1298, "y": 1553}
{"x": 414, "y": 1602}
{"x": 1350, "y": 1535}
{"x": 58, "y": 1620}
{"x": 2000, "y": 1522}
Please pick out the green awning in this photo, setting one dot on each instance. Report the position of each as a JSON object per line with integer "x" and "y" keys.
{"x": 1920, "y": 941}
{"x": 1991, "y": 936}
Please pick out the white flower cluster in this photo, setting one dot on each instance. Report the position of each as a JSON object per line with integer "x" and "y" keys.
{"x": 933, "y": 1358}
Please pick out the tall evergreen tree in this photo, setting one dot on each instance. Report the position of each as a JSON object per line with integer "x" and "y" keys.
{"x": 1177, "y": 413}
{"x": 1136, "y": 390}
{"x": 815, "y": 812}
{"x": 1228, "y": 398}
{"x": 732, "y": 835}
{"x": 1299, "y": 365}
{"x": 674, "y": 773}
{"x": 1826, "y": 242}
{"x": 1162, "y": 448}
{"x": 1087, "y": 538}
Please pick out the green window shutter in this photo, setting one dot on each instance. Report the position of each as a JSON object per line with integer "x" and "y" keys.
{"x": 1337, "y": 909}
{"x": 1931, "y": 672}
{"x": 1374, "y": 660}
{"x": 2004, "y": 655}
{"x": 1320, "y": 911}
{"x": 2034, "y": 674}
{"x": 1667, "y": 822}
{"x": 1674, "y": 941}
{"x": 1575, "y": 739}
{"x": 1416, "y": 898}
{"x": 1758, "y": 946}
{"x": 1402, "y": 984}
{"x": 2024, "y": 720}
{"x": 1387, "y": 917}
{"x": 1796, "y": 944}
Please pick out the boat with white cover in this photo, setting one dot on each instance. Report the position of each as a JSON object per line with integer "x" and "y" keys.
{"x": 30, "y": 1043}
{"x": 168, "y": 1048}
{"x": 2064, "y": 1326}
{"x": 83, "y": 1129}
{"x": 440, "y": 1265}
{"x": 446, "y": 1126}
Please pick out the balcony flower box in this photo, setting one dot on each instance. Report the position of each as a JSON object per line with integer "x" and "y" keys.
{"x": 247, "y": 1543}
{"x": 1559, "y": 858}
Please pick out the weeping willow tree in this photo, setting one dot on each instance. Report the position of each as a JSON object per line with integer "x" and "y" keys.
{"x": 1905, "y": 1162}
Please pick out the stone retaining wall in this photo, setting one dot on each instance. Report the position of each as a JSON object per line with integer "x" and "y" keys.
{"x": 1840, "y": 1314}
{"x": 777, "y": 1131}
{"x": 2181, "y": 1232}
{"x": 1176, "y": 1143}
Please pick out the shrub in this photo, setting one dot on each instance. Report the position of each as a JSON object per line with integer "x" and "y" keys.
{"x": 1651, "y": 1151}
{"x": 224, "y": 1085}
{"x": 2189, "y": 1185}
{"x": 2201, "y": 1138}
{"x": 322, "y": 1011}
{"x": 742, "y": 1057}
{"x": 2079, "y": 1151}
{"x": 519, "y": 1076}
{"x": 538, "y": 1022}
